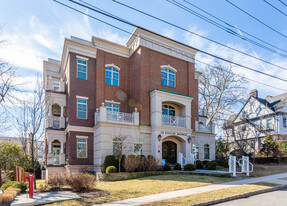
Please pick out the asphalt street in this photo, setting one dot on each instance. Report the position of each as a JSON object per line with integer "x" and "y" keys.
{"x": 276, "y": 198}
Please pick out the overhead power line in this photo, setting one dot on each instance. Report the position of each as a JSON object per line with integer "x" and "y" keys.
{"x": 274, "y": 7}
{"x": 229, "y": 61}
{"x": 186, "y": 30}
{"x": 285, "y": 4}
{"x": 281, "y": 34}
{"x": 233, "y": 29}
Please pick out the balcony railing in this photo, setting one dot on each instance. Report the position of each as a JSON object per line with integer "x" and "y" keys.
{"x": 56, "y": 122}
{"x": 205, "y": 128}
{"x": 173, "y": 121}
{"x": 120, "y": 116}
{"x": 103, "y": 115}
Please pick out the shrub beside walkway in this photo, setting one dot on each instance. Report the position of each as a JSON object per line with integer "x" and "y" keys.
{"x": 278, "y": 178}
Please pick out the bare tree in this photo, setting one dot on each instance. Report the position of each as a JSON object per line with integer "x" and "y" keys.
{"x": 219, "y": 90}
{"x": 31, "y": 121}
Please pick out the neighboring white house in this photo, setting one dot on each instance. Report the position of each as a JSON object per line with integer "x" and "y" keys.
{"x": 257, "y": 119}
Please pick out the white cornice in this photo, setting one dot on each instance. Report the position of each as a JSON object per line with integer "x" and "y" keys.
{"x": 111, "y": 47}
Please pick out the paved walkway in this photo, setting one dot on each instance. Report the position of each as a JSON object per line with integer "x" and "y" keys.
{"x": 43, "y": 198}
{"x": 180, "y": 193}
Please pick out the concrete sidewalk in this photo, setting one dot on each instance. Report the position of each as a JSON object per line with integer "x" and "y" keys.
{"x": 180, "y": 193}
{"x": 43, "y": 198}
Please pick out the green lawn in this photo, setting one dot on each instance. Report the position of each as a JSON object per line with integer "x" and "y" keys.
{"x": 120, "y": 190}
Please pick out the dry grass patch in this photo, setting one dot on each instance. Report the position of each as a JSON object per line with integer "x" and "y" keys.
{"x": 264, "y": 170}
{"x": 214, "y": 195}
{"x": 126, "y": 189}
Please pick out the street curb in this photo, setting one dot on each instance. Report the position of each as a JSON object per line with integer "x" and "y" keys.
{"x": 244, "y": 195}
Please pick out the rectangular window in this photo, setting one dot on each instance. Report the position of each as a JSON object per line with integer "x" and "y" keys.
{"x": 138, "y": 149}
{"x": 81, "y": 109}
{"x": 112, "y": 111}
{"x": 56, "y": 86}
{"x": 269, "y": 124}
{"x": 196, "y": 151}
{"x": 81, "y": 69}
{"x": 284, "y": 122}
{"x": 82, "y": 148}
{"x": 112, "y": 76}
{"x": 206, "y": 152}
{"x": 167, "y": 77}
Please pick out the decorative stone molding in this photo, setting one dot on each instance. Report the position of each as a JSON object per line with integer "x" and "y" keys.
{"x": 113, "y": 66}
{"x": 168, "y": 67}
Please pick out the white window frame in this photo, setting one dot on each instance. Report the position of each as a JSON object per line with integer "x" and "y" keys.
{"x": 267, "y": 125}
{"x": 206, "y": 147}
{"x": 169, "y": 68}
{"x": 113, "y": 107}
{"x": 138, "y": 143}
{"x": 284, "y": 120}
{"x": 86, "y": 65}
{"x": 56, "y": 84}
{"x": 86, "y": 143}
{"x": 195, "y": 146}
{"x": 86, "y": 99}
{"x": 112, "y": 66}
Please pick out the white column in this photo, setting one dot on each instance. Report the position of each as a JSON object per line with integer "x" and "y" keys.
{"x": 62, "y": 147}
{"x": 62, "y": 111}
{"x": 103, "y": 113}
{"x": 50, "y": 147}
{"x": 136, "y": 117}
{"x": 50, "y": 110}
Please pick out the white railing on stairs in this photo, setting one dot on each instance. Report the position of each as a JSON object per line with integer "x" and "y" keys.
{"x": 183, "y": 161}
{"x": 243, "y": 163}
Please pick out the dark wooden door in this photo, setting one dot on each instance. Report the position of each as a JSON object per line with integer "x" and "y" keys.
{"x": 169, "y": 152}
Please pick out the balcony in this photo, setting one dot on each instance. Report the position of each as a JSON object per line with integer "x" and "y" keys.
{"x": 56, "y": 122}
{"x": 200, "y": 127}
{"x": 103, "y": 115}
{"x": 173, "y": 121}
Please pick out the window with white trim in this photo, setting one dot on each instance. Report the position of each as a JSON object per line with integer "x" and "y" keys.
{"x": 117, "y": 146}
{"x": 112, "y": 107}
{"x": 284, "y": 122}
{"x": 112, "y": 76}
{"x": 195, "y": 150}
{"x": 82, "y": 108}
{"x": 168, "y": 110}
{"x": 81, "y": 69}
{"x": 82, "y": 148}
{"x": 56, "y": 86}
{"x": 138, "y": 148}
{"x": 206, "y": 151}
{"x": 269, "y": 124}
{"x": 167, "y": 77}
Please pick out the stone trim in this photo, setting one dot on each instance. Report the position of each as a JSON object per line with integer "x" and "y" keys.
{"x": 113, "y": 66}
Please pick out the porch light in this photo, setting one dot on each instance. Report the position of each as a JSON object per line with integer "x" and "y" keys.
{"x": 189, "y": 139}
{"x": 159, "y": 137}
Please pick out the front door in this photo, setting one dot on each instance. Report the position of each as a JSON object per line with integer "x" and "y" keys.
{"x": 169, "y": 152}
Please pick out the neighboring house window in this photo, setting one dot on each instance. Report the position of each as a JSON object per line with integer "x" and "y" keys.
{"x": 138, "y": 148}
{"x": 195, "y": 149}
{"x": 117, "y": 146}
{"x": 167, "y": 77}
{"x": 56, "y": 86}
{"x": 269, "y": 124}
{"x": 284, "y": 122}
{"x": 82, "y": 148}
{"x": 168, "y": 110}
{"x": 112, "y": 76}
{"x": 81, "y": 69}
{"x": 81, "y": 108}
{"x": 206, "y": 151}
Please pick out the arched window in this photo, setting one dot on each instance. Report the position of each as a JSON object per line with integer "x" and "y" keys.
{"x": 117, "y": 146}
{"x": 195, "y": 149}
{"x": 206, "y": 151}
{"x": 112, "y": 76}
{"x": 168, "y": 110}
{"x": 167, "y": 77}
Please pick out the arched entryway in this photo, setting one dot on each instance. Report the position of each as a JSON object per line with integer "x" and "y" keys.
{"x": 169, "y": 152}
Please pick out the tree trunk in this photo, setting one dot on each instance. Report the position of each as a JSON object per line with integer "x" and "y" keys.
{"x": 0, "y": 176}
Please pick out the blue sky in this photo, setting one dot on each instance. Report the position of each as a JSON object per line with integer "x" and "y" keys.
{"x": 36, "y": 31}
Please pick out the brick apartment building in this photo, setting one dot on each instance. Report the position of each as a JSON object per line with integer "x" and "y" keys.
{"x": 146, "y": 92}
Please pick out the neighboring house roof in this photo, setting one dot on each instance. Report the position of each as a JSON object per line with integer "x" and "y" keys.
{"x": 275, "y": 103}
